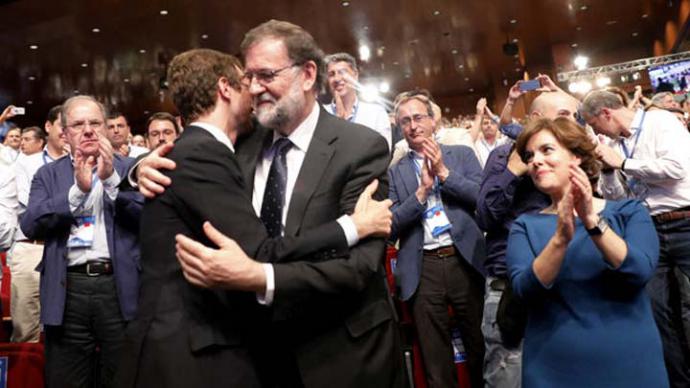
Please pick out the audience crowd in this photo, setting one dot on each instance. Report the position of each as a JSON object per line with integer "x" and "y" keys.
{"x": 246, "y": 248}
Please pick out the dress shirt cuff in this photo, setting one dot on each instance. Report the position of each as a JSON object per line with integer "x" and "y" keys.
{"x": 76, "y": 198}
{"x": 349, "y": 229}
{"x": 112, "y": 181}
{"x": 132, "y": 176}
{"x": 267, "y": 298}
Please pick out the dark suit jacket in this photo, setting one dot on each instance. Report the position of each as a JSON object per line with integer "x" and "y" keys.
{"x": 187, "y": 336}
{"x": 459, "y": 196}
{"x": 48, "y": 217}
{"x": 334, "y": 309}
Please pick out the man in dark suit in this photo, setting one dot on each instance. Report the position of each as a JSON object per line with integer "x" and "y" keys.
{"x": 434, "y": 191}
{"x": 208, "y": 333}
{"x": 89, "y": 276}
{"x": 333, "y": 324}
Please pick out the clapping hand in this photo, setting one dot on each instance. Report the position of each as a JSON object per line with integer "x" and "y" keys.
{"x": 581, "y": 191}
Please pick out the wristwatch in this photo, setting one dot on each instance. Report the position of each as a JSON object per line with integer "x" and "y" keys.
{"x": 599, "y": 228}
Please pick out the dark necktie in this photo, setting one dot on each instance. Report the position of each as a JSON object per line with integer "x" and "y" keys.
{"x": 274, "y": 195}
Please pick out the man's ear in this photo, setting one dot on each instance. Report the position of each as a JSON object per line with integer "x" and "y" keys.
{"x": 224, "y": 88}
{"x": 310, "y": 72}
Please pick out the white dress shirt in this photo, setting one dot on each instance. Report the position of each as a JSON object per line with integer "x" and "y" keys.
{"x": 300, "y": 138}
{"x": 8, "y": 206}
{"x": 25, "y": 168}
{"x": 660, "y": 160}
{"x": 482, "y": 147}
{"x": 370, "y": 115}
{"x": 91, "y": 204}
{"x": 8, "y": 154}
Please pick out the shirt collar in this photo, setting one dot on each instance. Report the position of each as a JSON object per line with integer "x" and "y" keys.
{"x": 636, "y": 123}
{"x": 301, "y": 136}
{"x": 351, "y": 114}
{"x": 217, "y": 133}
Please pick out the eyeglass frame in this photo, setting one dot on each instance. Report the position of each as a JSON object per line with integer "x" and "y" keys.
{"x": 268, "y": 75}
{"x": 94, "y": 124}
{"x": 417, "y": 118}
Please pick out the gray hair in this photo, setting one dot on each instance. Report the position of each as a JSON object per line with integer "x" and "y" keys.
{"x": 595, "y": 101}
{"x": 300, "y": 44}
{"x": 342, "y": 57}
{"x": 67, "y": 106}
{"x": 656, "y": 99}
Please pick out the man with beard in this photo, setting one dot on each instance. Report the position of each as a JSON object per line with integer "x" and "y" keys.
{"x": 333, "y": 324}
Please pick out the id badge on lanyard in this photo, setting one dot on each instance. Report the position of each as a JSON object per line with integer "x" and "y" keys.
{"x": 637, "y": 187}
{"x": 434, "y": 216}
{"x": 82, "y": 231}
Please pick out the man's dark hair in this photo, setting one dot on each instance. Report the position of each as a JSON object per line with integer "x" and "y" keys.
{"x": 193, "y": 80}
{"x": 162, "y": 116}
{"x": 39, "y": 133}
{"x": 113, "y": 114}
{"x": 54, "y": 113}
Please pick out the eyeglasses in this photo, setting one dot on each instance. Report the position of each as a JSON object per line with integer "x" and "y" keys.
{"x": 265, "y": 76}
{"x": 417, "y": 118}
{"x": 81, "y": 125}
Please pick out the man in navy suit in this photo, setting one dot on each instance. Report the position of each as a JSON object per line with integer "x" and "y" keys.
{"x": 89, "y": 275}
{"x": 434, "y": 191}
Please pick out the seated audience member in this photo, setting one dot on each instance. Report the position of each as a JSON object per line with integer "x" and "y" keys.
{"x": 343, "y": 82}
{"x": 89, "y": 275}
{"x": 434, "y": 192}
{"x": 26, "y": 254}
{"x": 10, "y": 146}
{"x": 161, "y": 128}
{"x": 581, "y": 266}
{"x": 119, "y": 134}
{"x": 647, "y": 158}
{"x": 33, "y": 140}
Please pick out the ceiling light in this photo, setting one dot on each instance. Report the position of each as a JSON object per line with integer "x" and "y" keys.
{"x": 581, "y": 62}
{"x": 454, "y": 51}
{"x": 384, "y": 87}
{"x": 624, "y": 78}
{"x": 471, "y": 90}
{"x": 396, "y": 63}
{"x": 96, "y": 30}
{"x": 75, "y": 91}
{"x": 126, "y": 80}
{"x": 204, "y": 36}
{"x": 31, "y": 78}
{"x": 585, "y": 86}
{"x": 635, "y": 34}
{"x": 573, "y": 45}
{"x": 603, "y": 81}
{"x": 583, "y": 8}
{"x": 142, "y": 51}
{"x": 164, "y": 12}
{"x": 611, "y": 22}
{"x": 636, "y": 76}
{"x": 364, "y": 53}
{"x": 461, "y": 66}
{"x": 146, "y": 112}
{"x": 345, "y": 3}
{"x": 579, "y": 28}
{"x": 408, "y": 75}
{"x": 84, "y": 65}
{"x": 515, "y": 40}
{"x": 574, "y": 87}
{"x": 645, "y": 16}
{"x": 517, "y": 69}
{"x": 29, "y": 102}
{"x": 369, "y": 93}
{"x": 33, "y": 47}
{"x": 467, "y": 78}
{"x": 513, "y": 21}
{"x": 436, "y": 13}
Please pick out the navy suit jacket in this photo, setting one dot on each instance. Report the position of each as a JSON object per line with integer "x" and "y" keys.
{"x": 48, "y": 217}
{"x": 459, "y": 195}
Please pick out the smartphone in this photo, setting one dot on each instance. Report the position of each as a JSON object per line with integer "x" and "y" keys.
{"x": 526, "y": 86}
{"x": 18, "y": 110}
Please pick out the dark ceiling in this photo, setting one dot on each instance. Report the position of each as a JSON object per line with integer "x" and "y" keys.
{"x": 117, "y": 50}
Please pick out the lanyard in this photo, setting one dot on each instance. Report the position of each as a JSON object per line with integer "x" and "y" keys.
{"x": 418, "y": 170}
{"x": 630, "y": 154}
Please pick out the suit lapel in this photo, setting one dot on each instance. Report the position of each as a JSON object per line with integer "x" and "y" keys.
{"x": 408, "y": 174}
{"x": 315, "y": 163}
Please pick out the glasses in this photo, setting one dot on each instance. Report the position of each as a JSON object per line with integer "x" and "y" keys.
{"x": 81, "y": 125}
{"x": 265, "y": 76}
{"x": 417, "y": 118}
